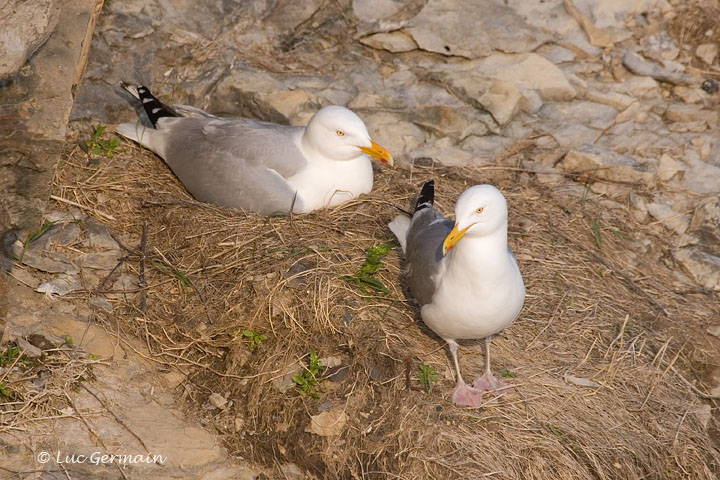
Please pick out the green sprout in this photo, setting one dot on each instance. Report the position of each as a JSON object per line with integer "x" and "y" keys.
{"x": 427, "y": 375}
{"x": 255, "y": 338}
{"x": 364, "y": 277}
{"x": 8, "y": 358}
{"x": 4, "y": 390}
{"x": 100, "y": 146}
{"x": 508, "y": 374}
{"x": 307, "y": 378}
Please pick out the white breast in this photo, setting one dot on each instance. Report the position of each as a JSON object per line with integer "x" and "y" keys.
{"x": 328, "y": 183}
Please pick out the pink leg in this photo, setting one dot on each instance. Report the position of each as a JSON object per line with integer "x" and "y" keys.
{"x": 463, "y": 393}
{"x": 487, "y": 382}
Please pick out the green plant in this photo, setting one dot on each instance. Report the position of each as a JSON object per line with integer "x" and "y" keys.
{"x": 255, "y": 338}
{"x": 8, "y": 358}
{"x": 364, "y": 277}
{"x": 4, "y": 390}
{"x": 427, "y": 375}
{"x": 508, "y": 374}
{"x": 101, "y": 146}
{"x": 307, "y": 378}
{"x": 170, "y": 270}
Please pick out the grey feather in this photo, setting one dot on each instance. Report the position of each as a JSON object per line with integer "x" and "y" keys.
{"x": 235, "y": 162}
{"x": 423, "y": 255}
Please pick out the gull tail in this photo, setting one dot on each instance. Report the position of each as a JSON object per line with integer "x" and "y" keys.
{"x": 426, "y": 199}
{"x": 154, "y": 108}
{"x": 401, "y": 224}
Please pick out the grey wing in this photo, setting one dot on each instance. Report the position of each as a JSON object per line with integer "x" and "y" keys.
{"x": 237, "y": 163}
{"x": 424, "y": 254}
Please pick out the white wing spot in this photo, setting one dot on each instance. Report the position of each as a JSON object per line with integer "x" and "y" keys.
{"x": 147, "y": 100}
{"x": 156, "y": 110}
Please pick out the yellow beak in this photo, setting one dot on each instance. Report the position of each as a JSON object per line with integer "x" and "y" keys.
{"x": 376, "y": 151}
{"x": 453, "y": 237}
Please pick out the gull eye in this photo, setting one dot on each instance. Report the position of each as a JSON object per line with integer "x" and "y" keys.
{"x": 340, "y": 133}
{"x": 479, "y": 210}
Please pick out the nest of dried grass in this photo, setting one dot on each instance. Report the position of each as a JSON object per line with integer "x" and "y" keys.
{"x": 696, "y": 22}
{"x": 591, "y": 313}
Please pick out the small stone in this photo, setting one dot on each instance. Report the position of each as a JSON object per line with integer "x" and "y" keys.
{"x": 669, "y": 168}
{"x": 98, "y": 236}
{"x": 24, "y": 277}
{"x": 61, "y": 285}
{"x": 616, "y": 100}
{"x": 51, "y": 262}
{"x": 688, "y": 94}
{"x": 672, "y": 220}
{"x": 581, "y": 382}
{"x": 339, "y": 373}
{"x": 395, "y": 42}
{"x": 502, "y": 100}
{"x": 707, "y": 52}
{"x": 330, "y": 362}
{"x": 217, "y": 401}
{"x": 101, "y": 260}
{"x": 326, "y": 405}
{"x": 639, "y": 66}
{"x": 238, "y": 424}
{"x": 101, "y": 303}
{"x": 691, "y": 113}
{"x": 634, "y": 112}
{"x": 347, "y": 318}
{"x": 329, "y": 423}
{"x": 703, "y": 267}
{"x": 714, "y": 331}
{"x": 704, "y": 414}
{"x": 639, "y": 211}
{"x": 298, "y": 282}
{"x": 375, "y": 373}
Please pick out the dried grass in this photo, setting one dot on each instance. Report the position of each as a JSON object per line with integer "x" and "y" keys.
{"x": 696, "y": 22}
{"x": 582, "y": 317}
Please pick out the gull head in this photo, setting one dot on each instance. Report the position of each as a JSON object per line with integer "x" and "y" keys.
{"x": 338, "y": 134}
{"x": 480, "y": 211}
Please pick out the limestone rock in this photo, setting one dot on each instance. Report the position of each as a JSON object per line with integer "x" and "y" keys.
{"x": 689, "y": 95}
{"x": 700, "y": 177}
{"x": 672, "y": 220}
{"x": 705, "y": 225}
{"x": 640, "y": 87}
{"x": 669, "y": 168}
{"x": 702, "y": 266}
{"x": 691, "y": 113}
{"x": 616, "y": 100}
{"x": 607, "y": 165}
{"x": 502, "y": 100}
{"x": 456, "y": 27}
{"x": 707, "y": 52}
{"x": 639, "y": 66}
{"x": 529, "y": 71}
{"x": 639, "y": 211}
{"x": 394, "y": 42}
{"x": 24, "y": 26}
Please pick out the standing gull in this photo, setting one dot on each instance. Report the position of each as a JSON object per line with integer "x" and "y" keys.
{"x": 260, "y": 166}
{"x": 464, "y": 276}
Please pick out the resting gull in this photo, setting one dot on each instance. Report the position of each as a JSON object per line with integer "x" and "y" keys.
{"x": 260, "y": 166}
{"x": 463, "y": 275}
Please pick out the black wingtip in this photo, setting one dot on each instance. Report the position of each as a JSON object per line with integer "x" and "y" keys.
{"x": 426, "y": 199}
{"x": 154, "y": 108}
